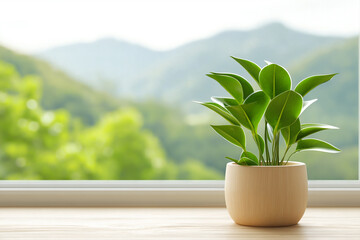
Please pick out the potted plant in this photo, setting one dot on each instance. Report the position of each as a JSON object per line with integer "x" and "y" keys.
{"x": 265, "y": 188}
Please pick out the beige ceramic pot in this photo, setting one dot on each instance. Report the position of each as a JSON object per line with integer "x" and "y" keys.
{"x": 266, "y": 195}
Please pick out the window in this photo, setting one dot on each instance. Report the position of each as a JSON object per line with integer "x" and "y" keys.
{"x": 103, "y": 90}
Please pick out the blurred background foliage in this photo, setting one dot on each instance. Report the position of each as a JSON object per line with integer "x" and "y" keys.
{"x": 39, "y": 144}
{"x": 136, "y": 120}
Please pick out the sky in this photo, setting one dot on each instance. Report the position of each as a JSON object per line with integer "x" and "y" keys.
{"x": 32, "y": 26}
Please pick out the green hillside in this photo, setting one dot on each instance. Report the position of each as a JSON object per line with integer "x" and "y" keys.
{"x": 42, "y": 145}
{"x": 338, "y": 99}
{"x": 61, "y": 91}
{"x": 337, "y": 105}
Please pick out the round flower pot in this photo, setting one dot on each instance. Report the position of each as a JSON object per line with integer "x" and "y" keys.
{"x": 266, "y": 195}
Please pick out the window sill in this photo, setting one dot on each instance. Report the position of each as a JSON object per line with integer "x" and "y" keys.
{"x": 152, "y": 193}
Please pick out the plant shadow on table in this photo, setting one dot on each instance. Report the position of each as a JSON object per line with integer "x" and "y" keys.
{"x": 297, "y": 231}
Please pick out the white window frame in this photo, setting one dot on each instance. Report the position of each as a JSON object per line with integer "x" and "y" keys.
{"x": 152, "y": 193}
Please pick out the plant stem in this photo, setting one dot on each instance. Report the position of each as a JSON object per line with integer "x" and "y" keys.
{"x": 273, "y": 160}
{"x": 275, "y": 149}
{"x": 286, "y": 150}
{"x": 256, "y": 138}
{"x": 290, "y": 157}
{"x": 278, "y": 149}
{"x": 266, "y": 145}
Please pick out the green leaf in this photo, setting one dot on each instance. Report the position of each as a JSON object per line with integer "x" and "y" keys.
{"x": 311, "y": 128}
{"x": 315, "y": 145}
{"x": 283, "y": 110}
{"x": 306, "y": 104}
{"x": 232, "y": 159}
{"x": 246, "y": 86}
{"x": 221, "y": 111}
{"x": 310, "y": 83}
{"x": 290, "y": 132}
{"x": 230, "y": 84}
{"x": 250, "y": 113}
{"x": 250, "y": 156}
{"x": 274, "y": 80}
{"x": 234, "y": 134}
{"x": 252, "y": 68}
{"x": 223, "y": 101}
{"x": 247, "y": 161}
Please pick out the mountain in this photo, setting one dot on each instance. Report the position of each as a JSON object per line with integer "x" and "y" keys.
{"x": 182, "y": 76}
{"x": 178, "y": 75}
{"x": 60, "y": 90}
{"x": 106, "y": 64}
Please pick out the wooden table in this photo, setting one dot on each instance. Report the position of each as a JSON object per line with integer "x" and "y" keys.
{"x": 167, "y": 223}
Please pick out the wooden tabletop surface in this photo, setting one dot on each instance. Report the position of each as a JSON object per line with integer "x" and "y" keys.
{"x": 167, "y": 223}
